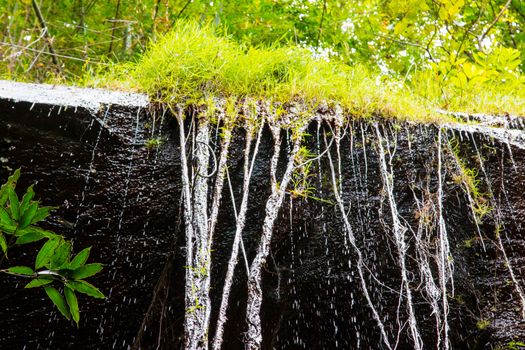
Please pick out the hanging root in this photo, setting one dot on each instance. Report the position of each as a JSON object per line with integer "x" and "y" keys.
{"x": 423, "y": 242}
{"x": 399, "y": 235}
{"x": 240, "y": 222}
{"x": 201, "y": 265}
{"x": 445, "y": 268}
{"x": 188, "y": 218}
{"x": 217, "y": 194}
{"x": 274, "y": 203}
{"x": 357, "y": 251}
{"x": 197, "y": 299}
{"x": 226, "y": 137}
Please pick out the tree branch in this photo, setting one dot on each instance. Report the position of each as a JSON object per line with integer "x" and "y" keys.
{"x": 46, "y": 32}
{"x": 489, "y": 28}
{"x": 321, "y": 24}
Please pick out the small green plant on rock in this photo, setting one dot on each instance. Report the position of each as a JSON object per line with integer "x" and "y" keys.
{"x": 301, "y": 178}
{"x": 515, "y": 345}
{"x": 469, "y": 179}
{"x": 55, "y": 269}
{"x": 152, "y": 143}
{"x": 482, "y": 324}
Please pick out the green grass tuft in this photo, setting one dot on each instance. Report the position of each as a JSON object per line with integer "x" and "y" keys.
{"x": 193, "y": 63}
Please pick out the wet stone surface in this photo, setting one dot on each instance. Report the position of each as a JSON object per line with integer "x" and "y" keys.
{"x": 123, "y": 199}
{"x": 312, "y": 295}
{"x": 114, "y": 194}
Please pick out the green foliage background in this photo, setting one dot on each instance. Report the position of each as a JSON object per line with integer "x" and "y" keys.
{"x": 446, "y": 50}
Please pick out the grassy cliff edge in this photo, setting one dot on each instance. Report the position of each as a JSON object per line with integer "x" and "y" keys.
{"x": 193, "y": 64}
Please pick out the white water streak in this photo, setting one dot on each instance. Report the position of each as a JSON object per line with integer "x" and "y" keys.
{"x": 273, "y": 205}
{"x": 237, "y": 241}
{"x": 217, "y": 194}
{"x": 445, "y": 258}
{"x": 399, "y": 234}
{"x": 200, "y": 267}
{"x": 423, "y": 240}
{"x": 188, "y": 218}
{"x": 499, "y": 223}
{"x": 360, "y": 261}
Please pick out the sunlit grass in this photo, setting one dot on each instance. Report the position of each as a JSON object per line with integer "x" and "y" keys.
{"x": 492, "y": 98}
{"x": 192, "y": 63}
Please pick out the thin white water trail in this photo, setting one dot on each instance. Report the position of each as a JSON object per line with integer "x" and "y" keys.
{"x": 511, "y": 156}
{"x": 399, "y": 235}
{"x": 291, "y": 277}
{"x": 185, "y": 187}
{"x": 126, "y": 188}
{"x": 240, "y": 223}
{"x": 216, "y": 200}
{"x": 500, "y": 230}
{"x": 338, "y": 150}
{"x": 517, "y": 286}
{"x": 357, "y": 251}
{"x": 273, "y": 205}
{"x": 318, "y": 149}
{"x": 219, "y": 181}
{"x": 363, "y": 138}
{"x": 360, "y": 178}
{"x": 338, "y": 136}
{"x": 445, "y": 268}
{"x": 276, "y": 133}
{"x": 232, "y": 196}
{"x": 155, "y": 161}
{"x": 228, "y": 121}
{"x": 130, "y": 167}
{"x": 91, "y": 165}
{"x": 322, "y": 217}
{"x": 164, "y": 110}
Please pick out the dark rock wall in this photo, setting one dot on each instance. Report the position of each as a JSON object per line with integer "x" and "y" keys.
{"x": 131, "y": 215}
{"x": 126, "y": 211}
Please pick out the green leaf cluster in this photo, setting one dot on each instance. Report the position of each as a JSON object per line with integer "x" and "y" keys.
{"x": 54, "y": 266}
{"x": 18, "y": 217}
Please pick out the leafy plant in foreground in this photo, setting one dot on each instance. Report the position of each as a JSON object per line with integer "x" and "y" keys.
{"x": 54, "y": 266}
